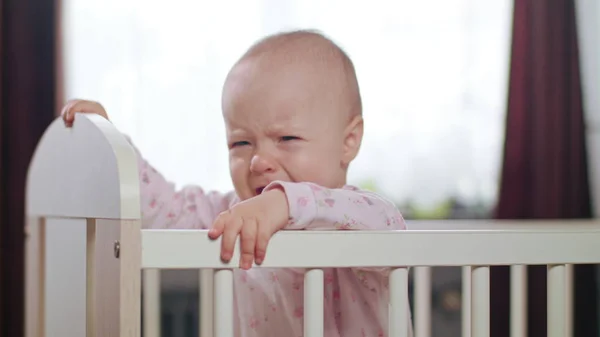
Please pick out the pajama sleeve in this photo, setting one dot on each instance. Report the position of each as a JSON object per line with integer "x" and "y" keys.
{"x": 314, "y": 207}
{"x": 164, "y": 207}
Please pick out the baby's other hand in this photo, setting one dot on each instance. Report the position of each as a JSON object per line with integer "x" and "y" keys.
{"x": 83, "y": 106}
{"x": 256, "y": 220}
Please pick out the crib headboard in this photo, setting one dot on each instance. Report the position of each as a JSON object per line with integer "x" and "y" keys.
{"x": 82, "y": 206}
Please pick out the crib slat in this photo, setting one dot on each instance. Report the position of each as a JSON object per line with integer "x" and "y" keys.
{"x": 313, "y": 303}
{"x": 90, "y": 272}
{"x": 67, "y": 278}
{"x": 556, "y": 301}
{"x": 518, "y": 301}
{"x": 569, "y": 299}
{"x": 422, "y": 302}
{"x": 35, "y": 277}
{"x": 223, "y": 285}
{"x": 151, "y": 301}
{"x": 398, "y": 316}
{"x": 466, "y": 301}
{"x": 480, "y": 301}
{"x": 206, "y": 302}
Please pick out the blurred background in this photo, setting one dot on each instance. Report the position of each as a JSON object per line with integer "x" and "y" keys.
{"x": 473, "y": 108}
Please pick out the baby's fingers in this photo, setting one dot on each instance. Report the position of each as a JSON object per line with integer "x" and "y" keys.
{"x": 68, "y": 113}
{"x": 233, "y": 226}
{"x": 218, "y": 226}
{"x": 248, "y": 243}
{"x": 262, "y": 239}
{"x": 78, "y": 105}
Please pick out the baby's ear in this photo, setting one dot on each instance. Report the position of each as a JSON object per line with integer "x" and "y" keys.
{"x": 352, "y": 140}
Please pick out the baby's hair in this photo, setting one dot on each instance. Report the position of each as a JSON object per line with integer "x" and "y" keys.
{"x": 314, "y": 43}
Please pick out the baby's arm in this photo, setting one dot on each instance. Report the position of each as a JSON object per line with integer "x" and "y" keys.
{"x": 315, "y": 207}
{"x": 163, "y": 206}
{"x": 312, "y": 207}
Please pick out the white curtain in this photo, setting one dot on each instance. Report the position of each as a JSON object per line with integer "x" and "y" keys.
{"x": 433, "y": 75}
{"x": 588, "y": 33}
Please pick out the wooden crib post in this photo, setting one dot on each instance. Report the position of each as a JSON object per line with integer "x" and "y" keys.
{"x": 130, "y": 281}
{"x": 114, "y": 281}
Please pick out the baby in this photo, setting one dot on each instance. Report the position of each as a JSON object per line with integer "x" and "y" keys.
{"x": 293, "y": 117}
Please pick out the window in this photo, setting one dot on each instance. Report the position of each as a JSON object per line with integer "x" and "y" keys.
{"x": 433, "y": 75}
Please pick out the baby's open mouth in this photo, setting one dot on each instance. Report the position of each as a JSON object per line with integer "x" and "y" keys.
{"x": 259, "y": 190}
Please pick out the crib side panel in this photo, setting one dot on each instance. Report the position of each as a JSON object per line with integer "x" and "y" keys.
{"x": 86, "y": 171}
{"x": 83, "y": 274}
{"x": 83, "y": 278}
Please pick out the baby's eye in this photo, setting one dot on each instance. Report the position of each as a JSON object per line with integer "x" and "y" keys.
{"x": 288, "y": 138}
{"x": 241, "y": 143}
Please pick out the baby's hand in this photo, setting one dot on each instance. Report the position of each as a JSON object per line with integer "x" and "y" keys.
{"x": 256, "y": 220}
{"x": 77, "y": 105}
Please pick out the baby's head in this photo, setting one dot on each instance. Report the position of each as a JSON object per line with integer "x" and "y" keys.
{"x": 293, "y": 112}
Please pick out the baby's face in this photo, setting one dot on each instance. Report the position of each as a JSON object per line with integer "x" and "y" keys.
{"x": 281, "y": 126}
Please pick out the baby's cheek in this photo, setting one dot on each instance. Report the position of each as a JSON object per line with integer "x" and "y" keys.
{"x": 307, "y": 169}
{"x": 238, "y": 169}
{"x": 237, "y": 164}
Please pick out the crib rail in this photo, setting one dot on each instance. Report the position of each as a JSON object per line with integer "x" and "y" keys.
{"x": 511, "y": 243}
{"x": 531, "y": 245}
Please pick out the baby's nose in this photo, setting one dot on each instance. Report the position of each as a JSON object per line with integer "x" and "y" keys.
{"x": 261, "y": 164}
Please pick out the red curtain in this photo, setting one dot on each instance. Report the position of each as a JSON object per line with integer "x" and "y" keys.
{"x": 544, "y": 173}
{"x": 27, "y": 106}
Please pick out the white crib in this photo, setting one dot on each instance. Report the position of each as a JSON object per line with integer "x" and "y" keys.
{"x": 86, "y": 253}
